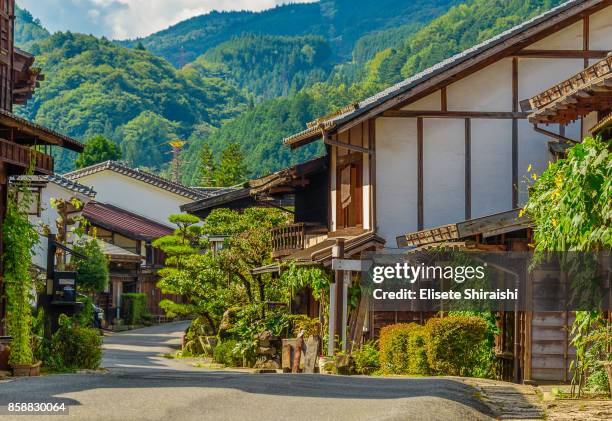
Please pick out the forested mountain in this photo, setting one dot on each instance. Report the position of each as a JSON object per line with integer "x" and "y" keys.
{"x": 93, "y": 86}
{"x": 341, "y": 22}
{"x": 266, "y": 65}
{"x": 260, "y": 130}
{"x": 27, "y": 29}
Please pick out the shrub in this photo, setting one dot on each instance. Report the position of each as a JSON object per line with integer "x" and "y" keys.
{"x": 310, "y": 326}
{"x": 224, "y": 354}
{"x": 451, "y": 344}
{"x": 402, "y": 349}
{"x": 367, "y": 359}
{"x": 75, "y": 346}
{"x": 135, "y": 308}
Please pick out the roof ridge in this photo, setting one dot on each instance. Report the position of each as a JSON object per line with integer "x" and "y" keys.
{"x": 138, "y": 174}
{"x": 129, "y": 212}
{"x": 69, "y": 184}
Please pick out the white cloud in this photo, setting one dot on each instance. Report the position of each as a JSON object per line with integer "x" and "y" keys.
{"x": 130, "y": 18}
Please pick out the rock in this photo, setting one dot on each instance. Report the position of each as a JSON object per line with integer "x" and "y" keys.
{"x": 262, "y": 350}
{"x": 268, "y": 364}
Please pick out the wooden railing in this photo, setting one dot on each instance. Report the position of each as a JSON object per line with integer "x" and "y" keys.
{"x": 22, "y": 156}
{"x": 290, "y": 238}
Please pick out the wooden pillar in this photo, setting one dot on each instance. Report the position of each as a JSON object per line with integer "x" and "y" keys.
{"x": 420, "y": 212}
{"x": 335, "y": 300}
{"x": 515, "y": 104}
{"x": 468, "y": 169}
{"x": 345, "y": 286}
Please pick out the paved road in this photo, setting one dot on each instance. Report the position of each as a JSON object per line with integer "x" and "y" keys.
{"x": 144, "y": 348}
{"x": 142, "y": 386}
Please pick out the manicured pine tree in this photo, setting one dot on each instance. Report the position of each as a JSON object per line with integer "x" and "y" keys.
{"x": 232, "y": 169}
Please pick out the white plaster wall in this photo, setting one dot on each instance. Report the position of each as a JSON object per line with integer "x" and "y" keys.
{"x": 600, "y": 30}
{"x": 532, "y": 150}
{"x": 431, "y": 102}
{"x": 489, "y": 89}
{"x": 366, "y": 179}
{"x": 135, "y": 196}
{"x": 396, "y": 178}
{"x": 538, "y": 74}
{"x": 443, "y": 171}
{"x": 491, "y": 158}
{"x": 569, "y": 38}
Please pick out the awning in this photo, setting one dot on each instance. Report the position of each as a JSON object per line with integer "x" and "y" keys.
{"x": 583, "y": 93}
{"x": 487, "y": 226}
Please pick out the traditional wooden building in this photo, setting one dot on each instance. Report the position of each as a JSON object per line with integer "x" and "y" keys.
{"x": 134, "y": 262}
{"x": 22, "y": 143}
{"x": 118, "y": 184}
{"x": 446, "y": 153}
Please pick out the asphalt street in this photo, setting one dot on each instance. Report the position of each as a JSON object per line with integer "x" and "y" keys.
{"x": 142, "y": 385}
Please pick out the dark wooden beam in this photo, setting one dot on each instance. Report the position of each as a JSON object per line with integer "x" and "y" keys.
{"x": 329, "y": 141}
{"x": 468, "y": 169}
{"x": 420, "y": 171}
{"x": 585, "y": 39}
{"x": 515, "y": 105}
{"x": 455, "y": 114}
{"x": 443, "y": 99}
{"x": 562, "y": 54}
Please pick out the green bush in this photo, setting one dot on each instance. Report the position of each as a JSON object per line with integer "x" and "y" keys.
{"x": 367, "y": 359}
{"x": 135, "y": 308}
{"x": 451, "y": 344}
{"x": 75, "y": 346}
{"x": 402, "y": 349}
{"x": 224, "y": 354}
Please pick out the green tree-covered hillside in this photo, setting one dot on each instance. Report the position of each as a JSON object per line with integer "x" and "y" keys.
{"x": 268, "y": 66}
{"x": 341, "y": 22}
{"x": 27, "y": 29}
{"x": 95, "y": 87}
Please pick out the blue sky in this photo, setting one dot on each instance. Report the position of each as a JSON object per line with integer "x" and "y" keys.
{"x": 119, "y": 19}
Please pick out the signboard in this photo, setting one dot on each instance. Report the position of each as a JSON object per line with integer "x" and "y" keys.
{"x": 351, "y": 265}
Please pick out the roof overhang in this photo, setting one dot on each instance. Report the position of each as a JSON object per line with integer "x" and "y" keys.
{"x": 487, "y": 226}
{"x": 463, "y": 64}
{"x": 322, "y": 253}
{"x": 261, "y": 190}
{"x": 219, "y": 200}
{"x": 587, "y": 91}
{"x": 26, "y": 132}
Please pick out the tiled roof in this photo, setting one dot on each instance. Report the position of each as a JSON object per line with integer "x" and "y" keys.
{"x": 69, "y": 184}
{"x": 44, "y": 133}
{"x": 313, "y": 131}
{"x": 124, "y": 222}
{"x": 135, "y": 173}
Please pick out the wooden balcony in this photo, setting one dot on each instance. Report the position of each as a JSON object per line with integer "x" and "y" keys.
{"x": 22, "y": 156}
{"x": 290, "y": 238}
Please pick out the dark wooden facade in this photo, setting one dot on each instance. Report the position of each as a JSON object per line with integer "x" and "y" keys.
{"x": 22, "y": 143}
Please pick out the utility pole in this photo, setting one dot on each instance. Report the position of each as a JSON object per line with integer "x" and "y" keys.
{"x": 177, "y": 146}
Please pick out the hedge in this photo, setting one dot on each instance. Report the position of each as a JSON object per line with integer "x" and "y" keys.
{"x": 402, "y": 349}
{"x": 452, "y": 344}
{"x": 443, "y": 346}
{"x": 135, "y": 308}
